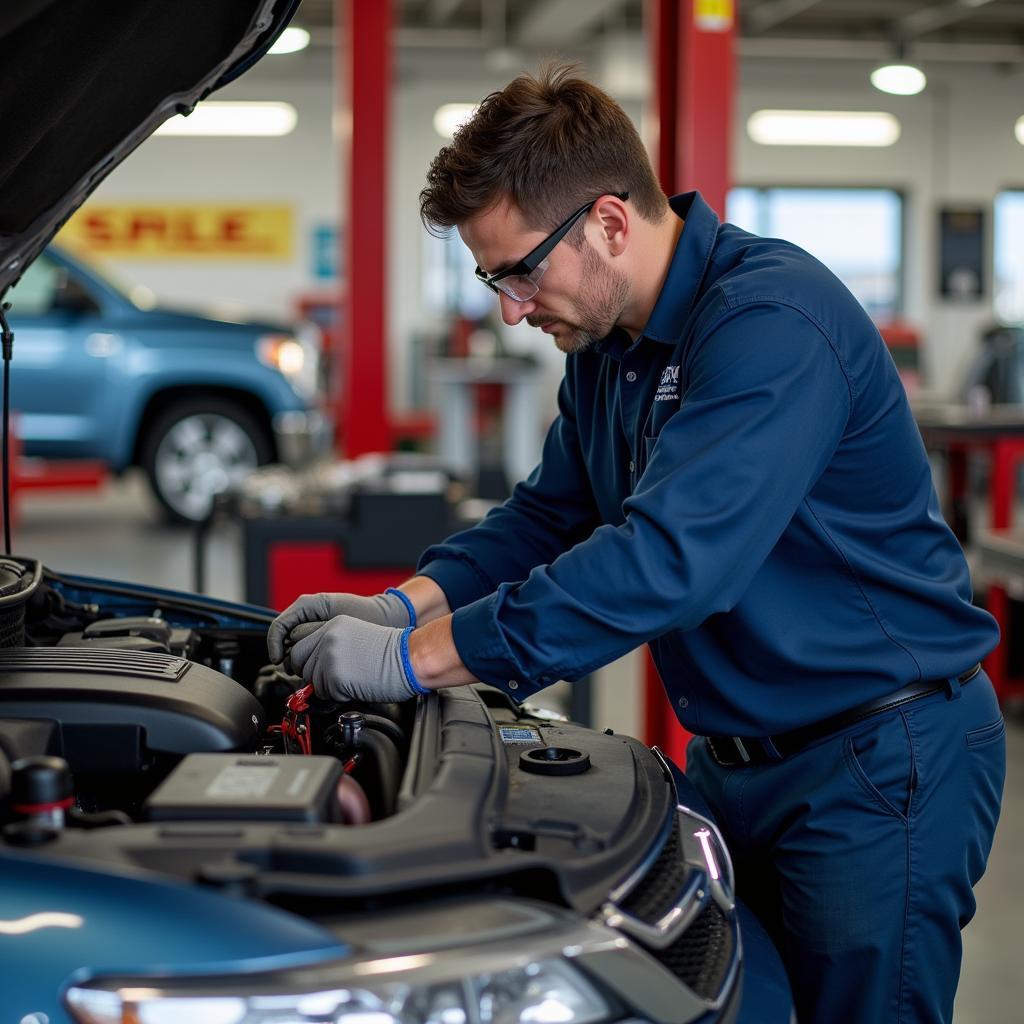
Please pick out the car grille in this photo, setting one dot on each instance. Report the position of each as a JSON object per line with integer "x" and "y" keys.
{"x": 701, "y": 956}
{"x": 656, "y": 893}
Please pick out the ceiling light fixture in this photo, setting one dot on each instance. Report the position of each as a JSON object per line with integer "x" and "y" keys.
{"x": 1019, "y": 130}
{"x": 899, "y": 79}
{"x": 449, "y": 117}
{"x": 234, "y": 118}
{"x": 291, "y": 40}
{"x": 823, "y": 128}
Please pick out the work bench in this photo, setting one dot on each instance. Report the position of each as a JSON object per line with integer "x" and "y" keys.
{"x": 957, "y": 433}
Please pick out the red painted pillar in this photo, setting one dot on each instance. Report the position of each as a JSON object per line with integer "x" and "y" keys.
{"x": 363, "y": 34}
{"x": 692, "y": 46}
{"x": 705, "y": 91}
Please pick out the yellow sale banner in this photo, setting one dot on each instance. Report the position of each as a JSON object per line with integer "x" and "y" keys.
{"x": 173, "y": 231}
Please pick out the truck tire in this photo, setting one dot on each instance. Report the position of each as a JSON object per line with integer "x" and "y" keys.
{"x": 196, "y": 448}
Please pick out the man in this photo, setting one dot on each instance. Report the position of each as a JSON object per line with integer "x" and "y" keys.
{"x": 735, "y": 477}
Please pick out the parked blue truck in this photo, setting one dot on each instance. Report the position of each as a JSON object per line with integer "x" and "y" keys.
{"x": 198, "y": 403}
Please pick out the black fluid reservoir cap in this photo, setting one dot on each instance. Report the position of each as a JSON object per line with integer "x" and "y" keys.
{"x": 554, "y": 761}
{"x": 40, "y": 783}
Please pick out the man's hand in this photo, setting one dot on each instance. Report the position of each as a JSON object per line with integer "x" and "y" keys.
{"x": 387, "y": 609}
{"x": 350, "y": 659}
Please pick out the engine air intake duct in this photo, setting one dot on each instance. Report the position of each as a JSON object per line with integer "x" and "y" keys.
{"x": 113, "y": 706}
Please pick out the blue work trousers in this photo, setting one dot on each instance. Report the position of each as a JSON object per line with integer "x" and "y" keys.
{"x": 859, "y": 853}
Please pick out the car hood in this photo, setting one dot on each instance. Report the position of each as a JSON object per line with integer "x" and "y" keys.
{"x": 180, "y": 320}
{"x": 85, "y": 83}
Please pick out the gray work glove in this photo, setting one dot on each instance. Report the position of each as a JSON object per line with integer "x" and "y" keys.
{"x": 387, "y": 609}
{"x": 349, "y": 659}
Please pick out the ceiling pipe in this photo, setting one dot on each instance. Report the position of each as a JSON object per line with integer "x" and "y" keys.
{"x": 775, "y": 12}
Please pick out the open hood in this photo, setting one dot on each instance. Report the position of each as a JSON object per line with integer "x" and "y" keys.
{"x": 84, "y": 83}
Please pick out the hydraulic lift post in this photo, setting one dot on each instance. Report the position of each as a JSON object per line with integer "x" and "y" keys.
{"x": 692, "y": 46}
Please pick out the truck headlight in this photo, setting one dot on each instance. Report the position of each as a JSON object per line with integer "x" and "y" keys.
{"x": 297, "y": 358}
{"x": 404, "y": 990}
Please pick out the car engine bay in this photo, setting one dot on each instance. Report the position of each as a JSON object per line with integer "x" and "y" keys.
{"x": 143, "y": 730}
{"x": 136, "y": 715}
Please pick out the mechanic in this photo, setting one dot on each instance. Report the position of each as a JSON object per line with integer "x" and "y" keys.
{"x": 735, "y": 478}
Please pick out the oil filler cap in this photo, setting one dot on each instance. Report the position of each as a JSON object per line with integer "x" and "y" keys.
{"x": 554, "y": 761}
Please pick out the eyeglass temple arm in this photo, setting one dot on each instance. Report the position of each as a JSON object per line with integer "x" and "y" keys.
{"x": 531, "y": 261}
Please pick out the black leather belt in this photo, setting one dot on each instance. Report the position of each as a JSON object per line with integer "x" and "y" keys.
{"x": 730, "y": 751}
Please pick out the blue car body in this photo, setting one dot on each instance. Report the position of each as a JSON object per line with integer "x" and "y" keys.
{"x": 85, "y": 377}
{"x": 99, "y": 376}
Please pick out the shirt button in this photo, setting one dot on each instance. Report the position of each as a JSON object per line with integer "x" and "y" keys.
{"x": 631, "y": 376}
{"x": 513, "y": 685}
{"x": 683, "y": 702}
{"x": 632, "y": 465}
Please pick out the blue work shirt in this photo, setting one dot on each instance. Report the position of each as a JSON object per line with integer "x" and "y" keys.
{"x": 744, "y": 486}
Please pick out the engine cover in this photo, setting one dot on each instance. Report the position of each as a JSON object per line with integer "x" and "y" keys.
{"x": 113, "y": 706}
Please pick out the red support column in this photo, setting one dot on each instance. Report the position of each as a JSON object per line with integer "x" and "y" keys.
{"x": 692, "y": 46}
{"x": 705, "y": 91}
{"x": 363, "y": 33}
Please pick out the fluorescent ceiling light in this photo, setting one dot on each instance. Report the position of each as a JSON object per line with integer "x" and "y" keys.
{"x": 237, "y": 117}
{"x": 291, "y": 40}
{"x": 899, "y": 79}
{"x": 1019, "y": 130}
{"x": 450, "y": 117}
{"x": 823, "y": 128}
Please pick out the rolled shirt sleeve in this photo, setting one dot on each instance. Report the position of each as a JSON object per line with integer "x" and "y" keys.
{"x": 765, "y": 405}
{"x": 549, "y": 512}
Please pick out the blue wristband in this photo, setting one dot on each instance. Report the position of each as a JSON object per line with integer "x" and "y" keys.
{"x": 410, "y": 676}
{"x": 405, "y": 600}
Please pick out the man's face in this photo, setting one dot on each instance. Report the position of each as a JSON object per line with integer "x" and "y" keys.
{"x": 580, "y": 298}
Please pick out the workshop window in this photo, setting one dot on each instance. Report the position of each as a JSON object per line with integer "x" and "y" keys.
{"x": 449, "y": 284}
{"x": 856, "y": 232}
{"x": 1009, "y": 256}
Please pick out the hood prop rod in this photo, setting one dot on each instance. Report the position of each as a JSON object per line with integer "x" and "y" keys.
{"x": 7, "y": 345}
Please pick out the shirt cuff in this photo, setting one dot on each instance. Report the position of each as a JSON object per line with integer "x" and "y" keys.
{"x": 460, "y": 580}
{"x": 485, "y": 652}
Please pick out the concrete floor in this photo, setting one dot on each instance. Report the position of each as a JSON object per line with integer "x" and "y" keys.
{"x": 116, "y": 533}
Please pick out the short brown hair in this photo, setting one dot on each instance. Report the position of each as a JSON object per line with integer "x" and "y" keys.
{"x": 549, "y": 144}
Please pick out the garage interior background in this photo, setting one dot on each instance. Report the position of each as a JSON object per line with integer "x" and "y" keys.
{"x": 957, "y": 148}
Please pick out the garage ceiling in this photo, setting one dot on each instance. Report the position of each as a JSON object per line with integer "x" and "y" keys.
{"x": 955, "y": 30}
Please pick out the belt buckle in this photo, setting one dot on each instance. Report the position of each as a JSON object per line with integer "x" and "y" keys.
{"x": 742, "y": 756}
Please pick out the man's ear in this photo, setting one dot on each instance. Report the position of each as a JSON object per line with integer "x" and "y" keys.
{"x": 612, "y": 219}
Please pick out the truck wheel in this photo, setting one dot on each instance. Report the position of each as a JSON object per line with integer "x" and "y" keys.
{"x": 194, "y": 450}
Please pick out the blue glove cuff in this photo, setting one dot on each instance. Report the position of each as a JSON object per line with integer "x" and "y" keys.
{"x": 410, "y": 676}
{"x": 405, "y": 600}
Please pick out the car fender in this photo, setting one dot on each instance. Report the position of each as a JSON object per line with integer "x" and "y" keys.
{"x": 62, "y": 924}
{"x": 147, "y": 376}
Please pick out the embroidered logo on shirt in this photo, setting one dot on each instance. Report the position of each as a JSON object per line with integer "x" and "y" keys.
{"x": 668, "y": 386}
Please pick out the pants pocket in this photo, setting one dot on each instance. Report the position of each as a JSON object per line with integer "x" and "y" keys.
{"x": 987, "y": 733}
{"x": 881, "y": 762}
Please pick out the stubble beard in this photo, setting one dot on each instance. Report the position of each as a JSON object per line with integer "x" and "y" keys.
{"x": 598, "y": 307}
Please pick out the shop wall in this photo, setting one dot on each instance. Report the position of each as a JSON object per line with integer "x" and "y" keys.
{"x": 957, "y": 146}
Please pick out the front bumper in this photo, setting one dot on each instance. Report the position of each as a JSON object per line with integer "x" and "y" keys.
{"x": 301, "y": 437}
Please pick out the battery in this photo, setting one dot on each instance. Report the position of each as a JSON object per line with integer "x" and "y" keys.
{"x": 246, "y": 787}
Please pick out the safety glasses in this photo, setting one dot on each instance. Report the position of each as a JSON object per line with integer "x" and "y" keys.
{"x": 522, "y": 281}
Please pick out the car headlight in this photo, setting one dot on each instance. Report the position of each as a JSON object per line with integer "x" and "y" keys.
{"x": 297, "y": 358}
{"x": 548, "y": 991}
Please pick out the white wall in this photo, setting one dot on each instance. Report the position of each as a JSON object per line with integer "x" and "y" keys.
{"x": 301, "y": 169}
{"x": 957, "y": 146}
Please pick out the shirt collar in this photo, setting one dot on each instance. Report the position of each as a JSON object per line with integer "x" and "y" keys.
{"x": 685, "y": 273}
